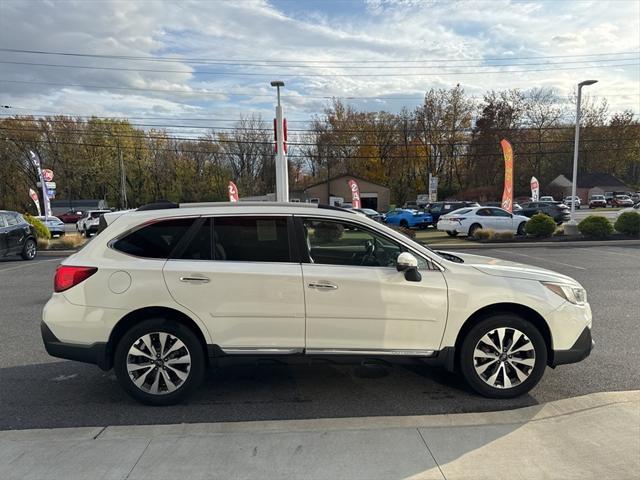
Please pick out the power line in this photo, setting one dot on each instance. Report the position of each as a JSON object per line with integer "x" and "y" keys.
{"x": 308, "y": 144}
{"x": 267, "y": 127}
{"x": 287, "y": 62}
{"x": 259, "y": 154}
{"x": 299, "y": 75}
{"x": 243, "y": 94}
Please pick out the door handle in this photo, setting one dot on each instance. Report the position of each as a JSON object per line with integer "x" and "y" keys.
{"x": 323, "y": 286}
{"x": 195, "y": 279}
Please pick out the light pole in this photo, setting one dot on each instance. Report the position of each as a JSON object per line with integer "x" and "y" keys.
{"x": 572, "y": 225}
{"x": 282, "y": 171}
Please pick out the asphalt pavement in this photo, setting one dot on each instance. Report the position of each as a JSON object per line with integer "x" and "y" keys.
{"x": 43, "y": 392}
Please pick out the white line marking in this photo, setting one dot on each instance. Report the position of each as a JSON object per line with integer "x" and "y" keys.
{"x": 637, "y": 257}
{"x": 29, "y": 264}
{"x": 546, "y": 260}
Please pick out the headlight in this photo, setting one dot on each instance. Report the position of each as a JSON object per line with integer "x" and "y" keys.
{"x": 575, "y": 295}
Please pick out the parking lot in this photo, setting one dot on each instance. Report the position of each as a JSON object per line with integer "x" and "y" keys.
{"x": 39, "y": 391}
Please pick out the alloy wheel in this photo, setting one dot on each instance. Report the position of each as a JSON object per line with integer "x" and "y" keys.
{"x": 158, "y": 363}
{"x": 504, "y": 357}
{"x": 30, "y": 249}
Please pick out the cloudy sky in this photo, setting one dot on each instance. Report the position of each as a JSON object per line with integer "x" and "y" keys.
{"x": 214, "y": 59}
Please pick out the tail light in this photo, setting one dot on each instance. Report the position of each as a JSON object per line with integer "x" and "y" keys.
{"x": 456, "y": 219}
{"x": 68, "y": 276}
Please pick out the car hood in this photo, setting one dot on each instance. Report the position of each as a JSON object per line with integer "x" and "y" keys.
{"x": 505, "y": 268}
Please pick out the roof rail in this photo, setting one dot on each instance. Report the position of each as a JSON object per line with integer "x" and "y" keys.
{"x": 161, "y": 205}
{"x": 332, "y": 207}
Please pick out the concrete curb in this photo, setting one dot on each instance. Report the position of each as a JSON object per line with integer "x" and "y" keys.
{"x": 56, "y": 253}
{"x": 583, "y": 243}
{"x": 555, "y": 409}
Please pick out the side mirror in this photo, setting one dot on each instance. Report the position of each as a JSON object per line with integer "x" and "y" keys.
{"x": 408, "y": 264}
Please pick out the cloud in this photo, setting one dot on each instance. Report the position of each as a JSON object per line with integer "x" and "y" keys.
{"x": 453, "y": 36}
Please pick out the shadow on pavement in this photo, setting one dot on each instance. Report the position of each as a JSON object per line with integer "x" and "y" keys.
{"x": 69, "y": 394}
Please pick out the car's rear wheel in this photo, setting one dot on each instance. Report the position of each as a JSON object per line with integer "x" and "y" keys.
{"x": 29, "y": 250}
{"x": 452, "y": 234}
{"x": 159, "y": 362}
{"x": 503, "y": 356}
{"x": 404, "y": 224}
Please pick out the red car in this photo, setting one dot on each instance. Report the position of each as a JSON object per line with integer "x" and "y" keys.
{"x": 621, "y": 201}
{"x": 72, "y": 216}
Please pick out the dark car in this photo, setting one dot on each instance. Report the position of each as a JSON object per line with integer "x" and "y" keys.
{"x": 442, "y": 208}
{"x": 556, "y": 210}
{"x": 72, "y": 216}
{"x": 372, "y": 214}
{"x": 17, "y": 236}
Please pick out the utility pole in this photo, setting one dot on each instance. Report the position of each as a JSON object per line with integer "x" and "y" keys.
{"x": 282, "y": 170}
{"x": 123, "y": 180}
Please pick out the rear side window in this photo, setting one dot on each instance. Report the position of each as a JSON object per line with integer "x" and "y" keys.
{"x": 156, "y": 240}
{"x": 251, "y": 239}
{"x": 199, "y": 247}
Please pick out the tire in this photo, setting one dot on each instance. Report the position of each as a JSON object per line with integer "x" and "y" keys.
{"x": 452, "y": 234}
{"x": 473, "y": 228}
{"x": 191, "y": 356}
{"x": 29, "y": 250}
{"x": 86, "y": 234}
{"x": 404, "y": 223}
{"x": 521, "y": 231}
{"x": 523, "y": 369}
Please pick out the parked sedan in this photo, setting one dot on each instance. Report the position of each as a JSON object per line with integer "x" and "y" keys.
{"x": 556, "y": 210}
{"x": 372, "y": 214}
{"x": 72, "y": 216}
{"x": 597, "y": 201}
{"x": 54, "y": 225}
{"x": 468, "y": 220}
{"x": 622, "y": 201}
{"x": 442, "y": 208}
{"x": 408, "y": 218}
{"x": 17, "y": 236}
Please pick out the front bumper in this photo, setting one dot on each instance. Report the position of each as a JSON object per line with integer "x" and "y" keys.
{"x": 95, "y": 353}
{"x": 578, "y": 352}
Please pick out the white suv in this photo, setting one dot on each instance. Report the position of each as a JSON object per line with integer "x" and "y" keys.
{"x": 164, "y": 290}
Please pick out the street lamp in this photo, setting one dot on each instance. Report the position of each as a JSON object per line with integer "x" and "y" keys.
{"x": 573, "y": 229}
{"x": 282, "y": 172}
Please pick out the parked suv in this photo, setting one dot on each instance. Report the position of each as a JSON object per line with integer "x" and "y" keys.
{"x": 556, "y": 210}
{"x": 90, "y": 223}
{"x": 597, "y": 201}
{"x": 17, "y": 236}
{"x": 160, "y": 292}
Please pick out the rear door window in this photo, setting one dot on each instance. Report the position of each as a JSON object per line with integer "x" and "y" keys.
{"x": 156, "y": 240}
{"x": 251, "y": 239}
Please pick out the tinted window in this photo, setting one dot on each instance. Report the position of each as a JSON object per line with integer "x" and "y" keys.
{"x": 483, "y": 212}
{"x": 3, "y": 220}
{"x": 498, "y": 212}
{"x": 199, "y": 247}
{"x": 11, "y": 219}
{"x": 156, "y": 240}
{"x": 251, "y": 239}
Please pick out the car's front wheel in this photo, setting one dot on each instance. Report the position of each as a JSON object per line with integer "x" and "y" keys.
{"x": 503, "y": 356}
{"x": 159, "y": 362}
{"x": 521, "y": 229}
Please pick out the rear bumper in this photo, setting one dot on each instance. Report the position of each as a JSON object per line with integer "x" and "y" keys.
{"x": 578, "y": 352}
{"x": 95, "y": 353}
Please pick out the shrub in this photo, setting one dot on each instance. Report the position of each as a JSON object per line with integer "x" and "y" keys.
{"x": 407, "y": 232}
{"x": 41, "y": 229}
{"x": 43, "y": 243}
{"x": 595, "y": 226}
{"x": 628, "y": 223}
{"x": 540, "y": 225}
{"x": 559, "y": 232}
{"x": 503, "y": 236}
{"x": 484, "y": 234}
{"x": 71, "y": 241}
